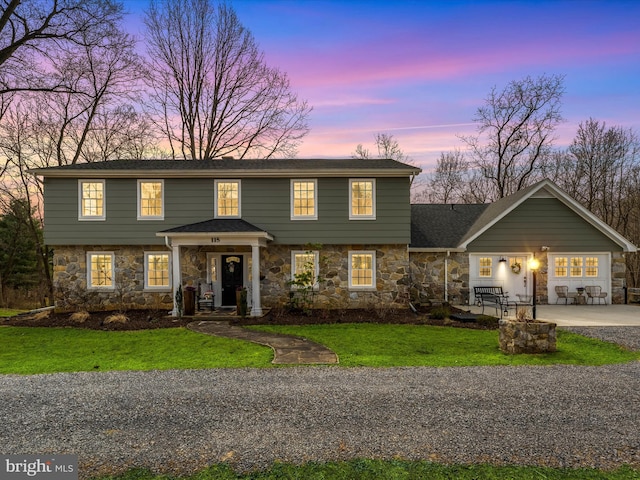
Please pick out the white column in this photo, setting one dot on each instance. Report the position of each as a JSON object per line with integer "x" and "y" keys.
{"x": 177, "y": 276}
{"x": 256, "y": 307}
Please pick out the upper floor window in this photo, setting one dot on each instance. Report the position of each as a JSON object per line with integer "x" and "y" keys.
{"x": 91, "y": 200}
{"x": 100, "y": 269}
{"x": 362, "y": 198}
{"x": 150, "y": 199}
{"x": 156, "y": 268}
{"x": 227, "y": 198}
{"x": 362, "y": 271}
{"x": 304, "y": 200}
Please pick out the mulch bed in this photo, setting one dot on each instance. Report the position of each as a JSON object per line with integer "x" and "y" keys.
{"x": 151, "y": 319}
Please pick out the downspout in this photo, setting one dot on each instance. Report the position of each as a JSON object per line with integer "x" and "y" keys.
{"x": 174, "y": 286}
{"x": 446, "y": 277}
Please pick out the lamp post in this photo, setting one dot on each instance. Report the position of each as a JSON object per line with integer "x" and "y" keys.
{"x": 534, "y": 264}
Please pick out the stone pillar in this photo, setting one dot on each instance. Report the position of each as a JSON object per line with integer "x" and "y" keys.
{"x": 256, "y": 307}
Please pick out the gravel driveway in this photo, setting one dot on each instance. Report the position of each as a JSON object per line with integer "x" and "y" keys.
{"x": 180, "y": 421}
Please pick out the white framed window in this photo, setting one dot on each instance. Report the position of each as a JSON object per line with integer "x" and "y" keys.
{"x": 591, "y": 267}
{"x": 304, "y": 199}
{"x": 561, "y": 266}
{"x": 157, "y": 270}
{"x": 91, "y": 200}
{"x": 227, "y": 199}
{"x": 150, "y": 199}
{"x": 100, "y": 270}
{"x": 362, "y": 199}
{"x": 305, "y": 264}
{"x": 362, "y": 270}
{"x": 486, "y": 267}
{"x": 576, "y": 266}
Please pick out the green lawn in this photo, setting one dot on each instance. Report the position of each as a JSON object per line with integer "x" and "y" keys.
{"x": 391, "y": 470}
{"x": 378, "y": 345}
{"x": 30, "y": 350}
{"x": 9, "y": 312}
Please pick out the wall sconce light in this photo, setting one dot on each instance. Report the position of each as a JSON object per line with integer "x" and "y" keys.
{"x": 502, "y": 259}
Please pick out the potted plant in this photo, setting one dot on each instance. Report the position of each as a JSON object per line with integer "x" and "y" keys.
{"x": 526, "y": 335}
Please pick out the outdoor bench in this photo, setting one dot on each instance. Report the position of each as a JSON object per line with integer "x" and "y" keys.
{"x": 494, "y": 297}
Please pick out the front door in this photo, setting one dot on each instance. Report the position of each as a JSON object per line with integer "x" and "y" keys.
{"x": 515, "y": 278}
{"x": 231, "y": 278}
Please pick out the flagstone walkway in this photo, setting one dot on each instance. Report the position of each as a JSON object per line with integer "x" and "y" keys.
{"x": 288, "y": 350}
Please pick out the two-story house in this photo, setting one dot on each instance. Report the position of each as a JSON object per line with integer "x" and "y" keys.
{"x": 130, "y": 232}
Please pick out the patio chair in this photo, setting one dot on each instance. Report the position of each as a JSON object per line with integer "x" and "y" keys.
{"x": 595, "y": 292}
{"x": 562, "y": 291}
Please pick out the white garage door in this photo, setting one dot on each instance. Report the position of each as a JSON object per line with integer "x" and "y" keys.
{"x": 576, "y": 270}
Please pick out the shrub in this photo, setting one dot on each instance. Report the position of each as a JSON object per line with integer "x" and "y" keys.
{"x": 79, "y": 317}
{"x": 116, "y": 318}
{"x": 440, "y": 313}
{"x": 487, "y": 320}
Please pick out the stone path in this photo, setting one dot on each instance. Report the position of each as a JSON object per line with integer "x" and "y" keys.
{"x": 288, "y": 350}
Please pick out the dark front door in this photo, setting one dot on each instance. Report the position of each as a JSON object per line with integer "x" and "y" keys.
{"x": 231, "y": 278}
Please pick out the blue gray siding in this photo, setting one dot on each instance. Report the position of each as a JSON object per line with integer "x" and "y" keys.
{"x": 265, "y": 203}
{"x": 542, "y": 222}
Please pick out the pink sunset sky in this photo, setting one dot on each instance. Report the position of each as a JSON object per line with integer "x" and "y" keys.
{"x": 419, "y": 69}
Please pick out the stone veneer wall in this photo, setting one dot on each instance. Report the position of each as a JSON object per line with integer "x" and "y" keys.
{"x": 618, "y": 277}
{"x": 70, "y": 280}
{"x": 428, "y": 277}
{"x": 392, "y": 267}
{"x": 70, "y": 277}
{"x": 399, "y": 276}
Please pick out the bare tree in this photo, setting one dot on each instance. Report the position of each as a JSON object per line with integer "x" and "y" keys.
{"x": 212, "y": 92}
{"x": 515, "y": 129}
{"x": 447, "y": 183}
{"x": 94, "y": 118}
{"x": 31, "y": 30}
{"x": 387, "y": 146}
{"x": 601, "y": 169}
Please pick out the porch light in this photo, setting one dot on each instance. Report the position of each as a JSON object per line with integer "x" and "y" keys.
{"x": 502, "y": 259}
{"x": 534, "y": 264}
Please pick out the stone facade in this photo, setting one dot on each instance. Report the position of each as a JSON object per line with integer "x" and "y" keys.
{"x": 428, "y": 277}
{"x": 532, "y": 336}
{"x": 70, "y": 277}
{"x": 70, "y": 280}
{"x": 618, "y": 277}
{"x": 392, "y": 266}
{"x": 400, "y": 277}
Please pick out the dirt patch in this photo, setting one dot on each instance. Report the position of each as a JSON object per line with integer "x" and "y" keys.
{"x": 151, "y": 319}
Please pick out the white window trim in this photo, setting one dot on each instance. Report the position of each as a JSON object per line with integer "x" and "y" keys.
{"x": 139, "y": 206}
{"x": 155, "y": 288}
{"x": 316, "y": 266}
{"x": 90, "y": 218}
{"x": 373, "y": 273}
{"x": 352, "y": 216}
{"x": 113, "y": 271}
{"x": 215, "y": 198}
{"x": 315, "y": 191}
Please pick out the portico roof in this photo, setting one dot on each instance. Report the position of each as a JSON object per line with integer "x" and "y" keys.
{"x": 222, "y": 231}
